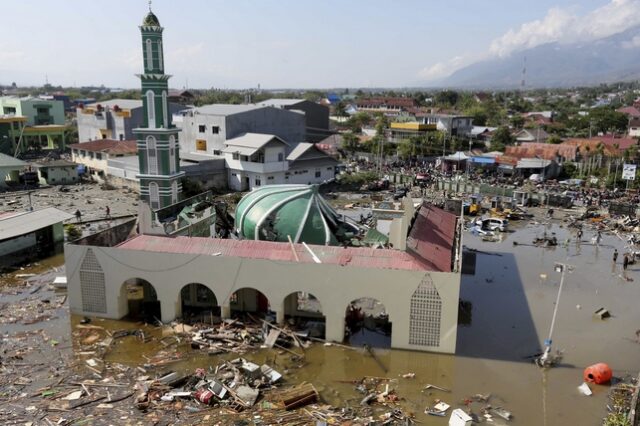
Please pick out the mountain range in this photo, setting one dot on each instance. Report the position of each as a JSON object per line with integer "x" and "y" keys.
{"x": 606, "y": 60}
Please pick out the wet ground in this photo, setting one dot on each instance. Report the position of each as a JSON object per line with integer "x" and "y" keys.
{"x": 512, "y": 297}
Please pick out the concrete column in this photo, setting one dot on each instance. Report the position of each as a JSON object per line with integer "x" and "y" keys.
{"x": 168, "y": 308}
{"x": 280, "y": 316}
{"x": 225, "y": 311}
{"x": 334, "y": 328}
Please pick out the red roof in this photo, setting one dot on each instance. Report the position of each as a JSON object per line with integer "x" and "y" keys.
{"x": 630, "y": 111}
{"x": 542, "y": 150}
{"x": 431, "y": 240}
{"x": 108, "y": 146}
{"x": 268, "y": 250}
{"x": 432, "y": 237}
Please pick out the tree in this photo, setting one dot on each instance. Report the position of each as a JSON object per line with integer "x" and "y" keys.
{"x": 350, "y": 142}
{"x": 446, "y": 98}
{"x": 517, "y": 121}
{"x": 501, "y": 138}
{"x": 479, "y": 115}
{"x": 554, "y": 140}
{"x": 341, "y": 109}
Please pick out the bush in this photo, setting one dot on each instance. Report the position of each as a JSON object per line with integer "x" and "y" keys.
{"x": 73, "y": 233}
{"x": 359, "y": 178}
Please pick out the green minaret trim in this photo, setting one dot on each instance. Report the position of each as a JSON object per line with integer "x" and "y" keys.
{"x": 158, "y": 147}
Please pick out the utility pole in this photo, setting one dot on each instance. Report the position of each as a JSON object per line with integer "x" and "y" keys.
{"x": 544, "y": 360}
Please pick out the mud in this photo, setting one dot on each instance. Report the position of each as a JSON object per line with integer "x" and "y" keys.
{"x": 512, "y": 297}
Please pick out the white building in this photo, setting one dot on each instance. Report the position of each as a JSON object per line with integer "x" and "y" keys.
{"x": 206, "y": 129}
{"x": 257, "y": 159}
{"x": 453, "y": 125}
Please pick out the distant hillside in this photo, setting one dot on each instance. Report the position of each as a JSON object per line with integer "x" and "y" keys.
{"x": 610, "y": 59}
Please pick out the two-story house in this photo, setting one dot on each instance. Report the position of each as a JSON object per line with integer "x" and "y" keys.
{"x": 257, "y": 159}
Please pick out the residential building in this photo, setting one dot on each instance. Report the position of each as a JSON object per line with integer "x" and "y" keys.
{"x": 10, "y": 169}
{"x": 206, "y": 129}
{"x": 316, "y": 116}
{"x": 630, "y": 111}
{"x": 451, "y": 124}
{"x": 386, "y": 105}
{"x": 95, "y": 155}
{"x": 560, "y": 153}
{"x": 634, "y": 128}
{"x": 38, "y": 111}
{"x": 31, "y": 124}
{"x": 545, "y": 169}
{"x": 401, "y": 131}
{"x": 182, "y": 97}
{"x": 532, "y": 135}
{"x": 113, "y": 119}
{"x": 31, "y": 235}
{"x": 57, "y": 172}
{"x": 254, "y": 160}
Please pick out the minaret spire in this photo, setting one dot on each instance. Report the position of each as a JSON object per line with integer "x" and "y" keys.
{"x": 157, "y": 137}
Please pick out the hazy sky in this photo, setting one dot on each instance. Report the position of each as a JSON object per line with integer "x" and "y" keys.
{"x": 287, "y": 43}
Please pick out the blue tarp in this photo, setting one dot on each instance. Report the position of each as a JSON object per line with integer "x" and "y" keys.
{"x": 483, "y": 160}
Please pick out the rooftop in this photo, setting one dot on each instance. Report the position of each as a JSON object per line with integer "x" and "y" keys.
{"x": 275, "y": 251}
{"x": 225, "y": 109}
{"x": 308, "y": 151}
{"x": 249, "y": 143}
{"x": 279, "y": 102}
{"x": 109, "y": 146}
{"x": 14, "y": 225}
{"x": 432, "y": 237}
{"x": 121, "y": 103}
{"x": 8, "y": 161}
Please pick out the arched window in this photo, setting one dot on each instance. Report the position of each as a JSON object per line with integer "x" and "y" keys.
{"x": 172, "y": 154}
{"x": 151, "y": 109}
{"x": 154, "y": 195}
{"x": 165, "y": 113}
{"x": 174, "y": 192}
{"x": 160, "y": 64}
{"x": 152, "y": 156}
{"x": 149, "y": 55}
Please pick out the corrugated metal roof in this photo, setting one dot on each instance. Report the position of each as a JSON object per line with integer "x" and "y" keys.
{"x": 279, "y": 102}
{"x": 8, "y": 161}
{"x": 253, "y": 140}
{"x": 25, "y": 223}
{"x": 432, "y": 237}
{"x": 352, "y": 256}
{"x": 225, "y": 109}
{"x": 532, "y": 163}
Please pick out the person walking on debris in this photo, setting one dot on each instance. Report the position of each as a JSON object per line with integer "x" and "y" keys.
{"x": 78, "y": 215}
{"x": 108, "y": 211}
{"x": 579, "y": 236}
{"x": 625, "y": 262}
{"x": 615, "y": 255}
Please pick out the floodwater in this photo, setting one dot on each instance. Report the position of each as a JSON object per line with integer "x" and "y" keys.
{"x": 512, "y": 296}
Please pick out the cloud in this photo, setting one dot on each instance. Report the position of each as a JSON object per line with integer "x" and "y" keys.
{"x": 444, "y": 69}
{"x": 633, "y": 43}
{"x": 6, "y": 54}
{"x": 563, "y": 26}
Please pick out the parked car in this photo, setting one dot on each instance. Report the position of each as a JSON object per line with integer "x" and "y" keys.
{"x": 400, "y": 193}
{"x": 493, "y": 224}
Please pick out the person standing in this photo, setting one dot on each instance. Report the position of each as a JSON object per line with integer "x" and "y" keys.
{"x": 108, "y": 211}
{"x": 625, "y": 262}
{"x": 615, "y": 255}
{"x": 78, "y": 216}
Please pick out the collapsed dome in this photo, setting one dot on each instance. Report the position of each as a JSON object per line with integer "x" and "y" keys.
{"x": 274, "y": 212}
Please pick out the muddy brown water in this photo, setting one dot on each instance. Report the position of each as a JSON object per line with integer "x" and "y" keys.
{"x": 512, "y": 297}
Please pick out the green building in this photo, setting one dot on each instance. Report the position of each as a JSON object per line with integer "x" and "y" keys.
{"x": 31, "y": 123}
{"x": 157, "y": 139}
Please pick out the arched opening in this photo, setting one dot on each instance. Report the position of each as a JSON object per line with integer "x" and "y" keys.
{"x": 199, "y": 304}
{"x": 249, "y": 300}
{"x": 367, "y": 322}
{"x": 172, "y": 154}
{"x": 165, "y": 113}
{"x": 149, "y": 55}
{"x": 142, "y": 300}
{"x": 154, "y": 195}
{"x": 160, "y": 56}
{"x": 152, "y": 156}
{"x": 304, "y": 311}
{"x": 151, "y": 109}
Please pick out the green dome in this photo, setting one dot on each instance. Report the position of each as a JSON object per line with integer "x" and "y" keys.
{"x": 151, "y": 20}
{"x": 274, "y": 212}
